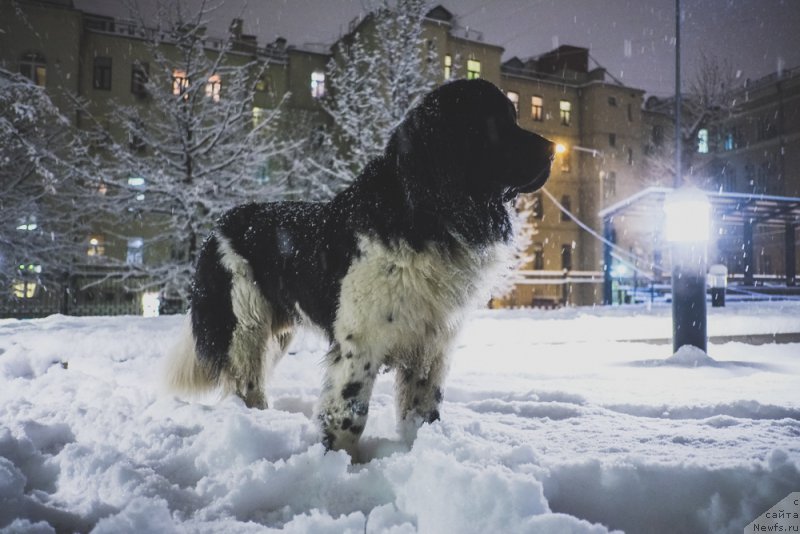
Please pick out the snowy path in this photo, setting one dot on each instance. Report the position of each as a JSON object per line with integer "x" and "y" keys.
{"x": 549, "y": 424}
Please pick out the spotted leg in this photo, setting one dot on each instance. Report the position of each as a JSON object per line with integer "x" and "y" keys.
{"x": 344, "y": 402}
{"x": 418, "y": 394}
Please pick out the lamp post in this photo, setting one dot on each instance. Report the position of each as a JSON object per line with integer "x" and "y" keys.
{"x": 687, "y": 229}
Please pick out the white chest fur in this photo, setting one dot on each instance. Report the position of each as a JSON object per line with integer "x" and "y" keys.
{"x": 397, "y": 303}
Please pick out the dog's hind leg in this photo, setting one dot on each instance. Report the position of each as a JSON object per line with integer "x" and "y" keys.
{"x": 344, "y": 402}
{"x": 244, "y": 373}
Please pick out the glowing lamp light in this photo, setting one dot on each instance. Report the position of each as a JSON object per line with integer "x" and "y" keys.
{"x": 560, "y": 149}
{"x": 688, "y": 216}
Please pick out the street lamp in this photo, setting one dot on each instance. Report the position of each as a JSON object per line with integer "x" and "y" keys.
{"x": 687, "y": 229}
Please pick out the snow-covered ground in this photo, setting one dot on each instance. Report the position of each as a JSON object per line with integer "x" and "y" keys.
{"x": 555, "y": 421}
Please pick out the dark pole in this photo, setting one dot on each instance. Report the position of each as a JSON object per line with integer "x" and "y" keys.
{"x": 608, "y": 233}
{"x": 678, "y": 137}
{"x": 749, "y": 260}
{"x": 791, "y": 256}
{"x": 688, "y": 259}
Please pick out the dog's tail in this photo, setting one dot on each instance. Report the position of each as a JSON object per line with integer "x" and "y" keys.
{"x": 184, "y": 372}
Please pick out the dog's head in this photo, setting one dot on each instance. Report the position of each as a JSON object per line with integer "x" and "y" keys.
{"x": 464, "y": 138}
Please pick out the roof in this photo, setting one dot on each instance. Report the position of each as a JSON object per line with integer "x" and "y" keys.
{"x": 730, "y": 208}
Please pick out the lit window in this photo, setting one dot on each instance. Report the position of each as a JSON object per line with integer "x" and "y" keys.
{"x": 28, "y": 224}
{"x": 135, "y": 247}
{"x": 101, "y": 78}
{"x": 34, "y": 67}
{"x": 96, "y": 246}
{"x": 137, "y": 183}
{"x": 448, "y": 66}
{"x": 262, "y": 85}
{"x": 180, "y": 83}
{"x": 702, "y": 141}
{"x": 473, "y": 69}
{"x": 514, "y": 97}
{"x": 213, "y": 86}
{"x": 565, "y": 108}
{"x": 24, "y": 289}
{"x": 258, "y": 115}
{"x": 317, "y": 84}
{"x": 537, "y": 106}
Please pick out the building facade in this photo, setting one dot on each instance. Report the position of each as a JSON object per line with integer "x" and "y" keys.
{"x": 607, "y": 134}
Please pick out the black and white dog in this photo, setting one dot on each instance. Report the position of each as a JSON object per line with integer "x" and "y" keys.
{"x": 386, "y": 269}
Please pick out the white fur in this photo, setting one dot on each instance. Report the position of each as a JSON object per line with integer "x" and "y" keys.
{"x": 183, "y": 372}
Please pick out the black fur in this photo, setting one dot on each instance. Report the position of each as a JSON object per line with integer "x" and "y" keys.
{"x": 445, "y": 179}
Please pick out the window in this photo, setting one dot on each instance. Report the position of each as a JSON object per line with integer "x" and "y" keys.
{"x": 102, "y": 73}
{"x": 213, "y": 87}
{"x": 612, "y": 139}
{"x": 728, "y": 143}
{"x": 630, "y": 156}
{"x": 317, "y": 84}
{"x": 514, "y": 97}
{"x": 565, "y": 108}
{"x": 258, "y": 115}
{"x": 702, "y": 141}
{"x": 135, "y": 247}
{"x": 96, "y": 246}
{"x": 263, "y": 85}
{"x": 537, "y": 106}
{"x": 448, "y": 66}
{"x": 657, "y": 135}
{"x": 538, "y": 256}
{"x": 566, "y": 256}
{"x": 612, "y": 101}
{"x": 537, "y": 211}
{"x": 180, "y": 83}
{"x": 140, "y": 74}
{"x": 24, "y": 289}
{"x": 473, "y": 69}
{"x": 609, "y": 184}
{"x": 137, "y": 183}
{"x": 28, "y": 224}
{"x": 630, "y": 113}
{"x": 34, "y": 67}
{"x": 566, "y": 202}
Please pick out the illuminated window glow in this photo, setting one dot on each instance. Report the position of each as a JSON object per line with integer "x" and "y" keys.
{"x": 473, "y": 69}
{"x": 213, "y": 87}
{"x": 96, "y": 246}
{"x": 514, "y": 97}
{"x": 24, "y": 289}
{"x": 317, "y": 84}
{"x": 180, "y": 83}
{"x": 537, "y": 108}
{"x": 702, "y": 141}
{"x": 448, "y": 66}
{"x": 34, "y": 67}
{"x": 565, "y": 109}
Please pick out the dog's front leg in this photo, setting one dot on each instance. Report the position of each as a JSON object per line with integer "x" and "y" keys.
{"x": 344, "y": 402}
{"x": 418, "y": 394}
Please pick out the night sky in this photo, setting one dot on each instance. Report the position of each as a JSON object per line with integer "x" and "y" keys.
{"x": 633, "y": 39}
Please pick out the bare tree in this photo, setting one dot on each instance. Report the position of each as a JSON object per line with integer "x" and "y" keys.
{"x": 375, "y": 77}
{"x": 192, "y": 149}
{"x": 43, "y": 179}
{"x": 708, "y": 101}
